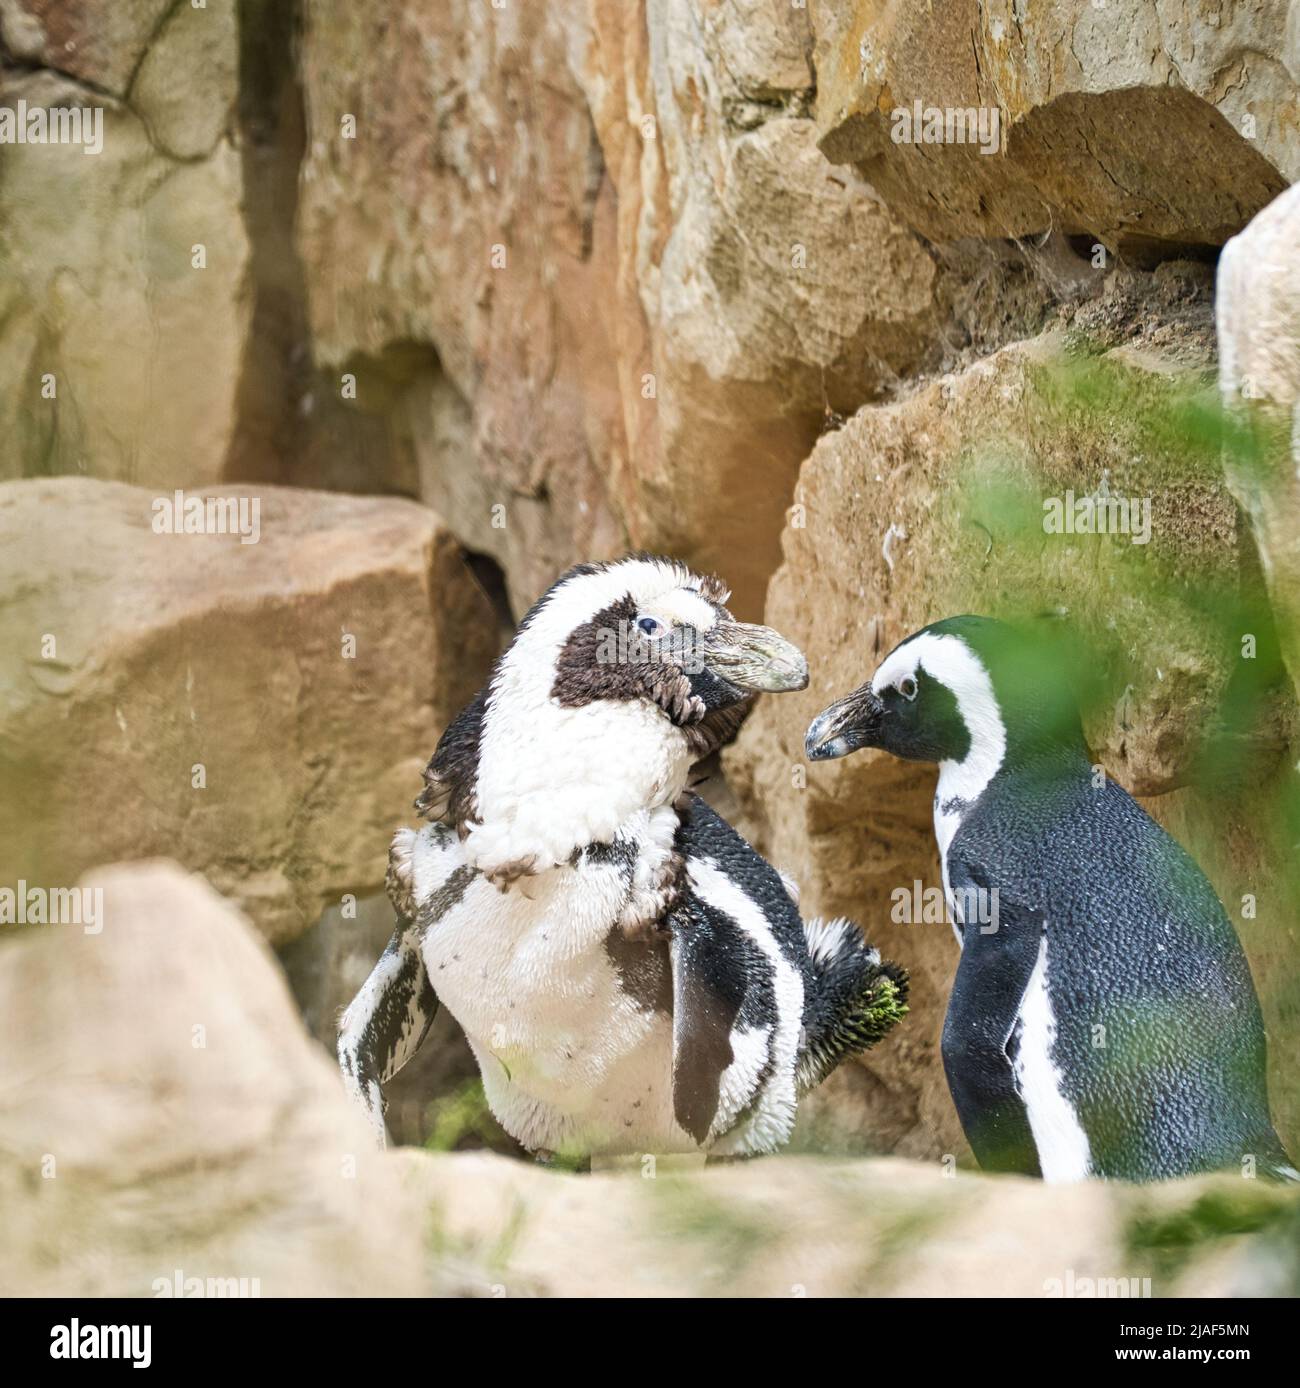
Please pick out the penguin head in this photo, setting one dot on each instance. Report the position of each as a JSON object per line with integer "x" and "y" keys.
{"x": 966, "y": 685}
{"x": 619, "y": 678}
{"x": 647, "y": 628}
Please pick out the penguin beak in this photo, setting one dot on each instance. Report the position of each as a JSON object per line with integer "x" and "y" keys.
{"x": 755, "y": 659}
{"x": 850, "y": 723}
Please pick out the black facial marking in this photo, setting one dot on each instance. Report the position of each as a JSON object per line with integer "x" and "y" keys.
{"x": 926, "y": 728}
{"x": 607, "y": 658}
{"x": 712, "y": 690}
{"x": 595, "y": 662}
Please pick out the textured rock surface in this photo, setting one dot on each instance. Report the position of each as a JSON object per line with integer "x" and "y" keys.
{"x": 119, "y": 355}
{"x": 163, "y": 1111}
{"x": 1133, "y": 122}
{"x": 100, "y": 42}
{"x": 795, "y": 1227}
{"x": 133, "y": 657}
{"x": 204, "y": 1136}
{"x": 897, "y": 524}
{"x": 471, "y": 133}
{"x": 1259, "y": 369}
{"x": 626, "y": 325}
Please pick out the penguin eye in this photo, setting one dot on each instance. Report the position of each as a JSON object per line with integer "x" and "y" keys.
{"x": 907, "y": 687}
{"x": 649, "y": 626}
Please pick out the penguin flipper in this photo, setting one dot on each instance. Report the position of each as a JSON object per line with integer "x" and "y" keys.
{"x": 980, "y": 1031}
{"x": 708, "y": 989}
{"x": 385, "y": 1023}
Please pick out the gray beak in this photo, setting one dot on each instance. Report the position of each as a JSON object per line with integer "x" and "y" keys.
{"x": 850, "y": 723}
{"x": 755, "y": 659}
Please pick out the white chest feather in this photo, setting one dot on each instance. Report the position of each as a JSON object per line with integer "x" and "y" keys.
{"x": 566, "y": 1052}
{"x": 1063, "y": 1151}
{"x": 545, "y": 786}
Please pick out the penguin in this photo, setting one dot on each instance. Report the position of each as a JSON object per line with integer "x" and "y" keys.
{"x": 632, "y": 977}
{"x": 1102, "y": 1022}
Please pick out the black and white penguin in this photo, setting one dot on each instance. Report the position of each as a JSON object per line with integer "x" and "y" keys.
{"x": 1103, "y": 1021}
{"x": 632, "y": 977}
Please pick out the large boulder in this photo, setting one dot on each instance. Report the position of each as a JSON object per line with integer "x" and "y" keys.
{"x": 808, "y": 1227}
{"x": 124, "y": 272}
{"x": 167, "y": 1127}
{"x": 1259, "y": 373}
{"x": 936, "y": 505}
{"x": 1143, "y": 126}
{"x": 260, "y": 712}
{"x": 181, "y": 1135}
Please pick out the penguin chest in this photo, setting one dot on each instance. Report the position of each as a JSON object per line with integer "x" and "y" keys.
{"x": 570, "y": 1023}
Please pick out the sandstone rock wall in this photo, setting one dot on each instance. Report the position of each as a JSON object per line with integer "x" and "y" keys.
{"x": 579, "y": 276}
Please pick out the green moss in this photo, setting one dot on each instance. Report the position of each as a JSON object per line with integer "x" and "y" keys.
{"x": 463, "y": 1119}
{"x": 724, "y": 1235}
{"x": 1171, "y": 1241}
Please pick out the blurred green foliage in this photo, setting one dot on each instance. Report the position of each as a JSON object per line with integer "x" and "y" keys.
{"x": 1170, "y": 1241}
{"x": 462, "y": 1120}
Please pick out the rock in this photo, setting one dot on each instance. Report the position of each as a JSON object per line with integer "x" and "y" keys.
{"x": 622, "y": 288}
{"x": 139, "y": 665}
{"x": 779, "y": 290}
{"x": 1258, "y": 310}
{"x": 99, "y": 42}
{"x": 120, "y": 354}
{"x": 201, "y": 1133}
{"x": 491, "y": 272}
{"x": 1138, "y": 126}
{"x": 800, "y": 1226}
{"x": 186, "y": 87}
{"x": 934, "y": 505}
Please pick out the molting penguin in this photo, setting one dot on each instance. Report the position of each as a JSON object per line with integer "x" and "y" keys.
{"x": 630, "y": 974}
{"x": 1104, "y": 1022}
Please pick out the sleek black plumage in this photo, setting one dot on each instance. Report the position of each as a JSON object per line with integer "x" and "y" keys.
{"x": 1105, "y": 1023}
